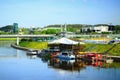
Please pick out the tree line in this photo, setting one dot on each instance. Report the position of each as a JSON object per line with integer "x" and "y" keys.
{"x": 76, "y": 28}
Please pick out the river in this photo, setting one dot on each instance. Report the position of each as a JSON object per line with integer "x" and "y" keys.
{"x": 16, "y": 65}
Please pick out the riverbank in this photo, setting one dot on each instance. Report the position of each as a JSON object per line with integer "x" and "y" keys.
{"x": 111, "y": 49}
{"x": 99, "y": 48}
{"x": 19, "y": 47}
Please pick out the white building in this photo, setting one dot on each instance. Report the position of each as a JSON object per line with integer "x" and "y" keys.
{"x": 101, "y": 28}
{"x": 96, "y": 28}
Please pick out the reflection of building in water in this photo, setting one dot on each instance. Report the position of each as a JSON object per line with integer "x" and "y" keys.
{"x": 73, "y": 65}
{"x": 77, "y": 65}
{"x": 70, "y": 65}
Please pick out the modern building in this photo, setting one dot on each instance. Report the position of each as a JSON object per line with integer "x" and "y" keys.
{"x": 97, "y": 28}
{"x": 15, "y": 28}
{"x": 101, "y": 28}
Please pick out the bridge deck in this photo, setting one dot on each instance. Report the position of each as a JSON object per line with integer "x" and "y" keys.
{"x": 23, "y": 36}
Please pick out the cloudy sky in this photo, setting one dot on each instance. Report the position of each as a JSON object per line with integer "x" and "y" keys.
{"x": 40, "y": 13}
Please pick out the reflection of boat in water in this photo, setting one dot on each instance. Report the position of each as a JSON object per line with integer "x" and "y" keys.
{"x": 66, "y": 55}
{"x": 32, "y": 56}
{"x": 67, "y": 62}
{"x": 93, "y": 57}
{"x": 32, "y": 52}
{"x": 43, "y": 53}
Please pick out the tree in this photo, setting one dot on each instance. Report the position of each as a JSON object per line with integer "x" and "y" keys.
{"x": 51, "y": 31}
{"x": 117, "y": 29}
{"x": 25, "y": 30}
{"x": 36, "y": 32}
{"x": 88, "y": 30}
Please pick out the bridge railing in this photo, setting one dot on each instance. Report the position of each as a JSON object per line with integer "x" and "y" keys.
{"x": 14, "y": 36}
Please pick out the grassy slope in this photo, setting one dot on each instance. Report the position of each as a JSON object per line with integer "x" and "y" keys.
{"x": 34, "y": 45}
{"x": 100, "y": 48}
{"x": 116, "y": 50}
{"x": 103, "y": 48}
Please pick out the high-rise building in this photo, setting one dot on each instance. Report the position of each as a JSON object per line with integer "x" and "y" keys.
{"x": 15, "y": 28}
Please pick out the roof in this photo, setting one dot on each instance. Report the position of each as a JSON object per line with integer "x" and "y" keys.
{"x": 63, "y": 41}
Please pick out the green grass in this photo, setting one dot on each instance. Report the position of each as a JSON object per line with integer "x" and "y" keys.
{"x": 7, "y": 39}
{"x": 34, "y": 45}
{"x": 102, "y": 48}
{"x": 116, "y": 50}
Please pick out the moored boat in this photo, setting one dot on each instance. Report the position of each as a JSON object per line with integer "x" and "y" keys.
{"x": 109, "y": 60}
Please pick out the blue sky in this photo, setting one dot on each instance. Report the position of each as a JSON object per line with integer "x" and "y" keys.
{"x": 40, "y": 13}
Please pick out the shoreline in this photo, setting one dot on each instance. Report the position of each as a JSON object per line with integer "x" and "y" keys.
{"x": 21, "y": 48}
{"x": 115, "y": 58}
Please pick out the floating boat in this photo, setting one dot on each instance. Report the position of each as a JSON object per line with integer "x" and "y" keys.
{"x": 66, "y": 55}
{"x": 109, "y": 60}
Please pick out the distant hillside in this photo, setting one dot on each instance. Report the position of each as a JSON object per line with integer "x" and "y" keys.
{"x": 55, "y": 25}
{"x": 70, "y": 27}
{"x": 7, "y": 28}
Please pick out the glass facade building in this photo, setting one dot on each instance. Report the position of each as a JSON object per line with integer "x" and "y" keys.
{"x": 15, "y": 28}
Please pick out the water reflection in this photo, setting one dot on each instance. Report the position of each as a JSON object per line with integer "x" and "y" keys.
{"x": 6, "y": 44}
{"x": 37, "y": 68}
{"x": 77, "y": 65}
{"x": 70, "y": 65}
{"x": 7, "y": 52}
{"x": 32, "y": 56}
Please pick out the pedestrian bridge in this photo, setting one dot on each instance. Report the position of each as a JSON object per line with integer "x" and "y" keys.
{"x": 25, "y": 36}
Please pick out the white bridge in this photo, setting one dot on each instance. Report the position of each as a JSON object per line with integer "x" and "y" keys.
{"x": 48, "y": 36}
{"x": 25, "y": 36}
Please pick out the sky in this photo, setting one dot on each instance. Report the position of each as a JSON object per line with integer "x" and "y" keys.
{"x": 40, "y": 13}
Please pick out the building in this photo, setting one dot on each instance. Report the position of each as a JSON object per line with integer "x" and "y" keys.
{"x": 15, "y": 28}
{"x": 97, "y": 28}
{"x": 111, "y": 28}
{"x": 101, "y": 28}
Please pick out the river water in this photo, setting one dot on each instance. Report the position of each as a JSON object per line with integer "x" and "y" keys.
{"x": 16, "y": 65}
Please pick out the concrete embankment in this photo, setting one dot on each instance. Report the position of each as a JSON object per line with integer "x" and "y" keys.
{"x": 19, "y": 47}
{"x": 22, "y": 48}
